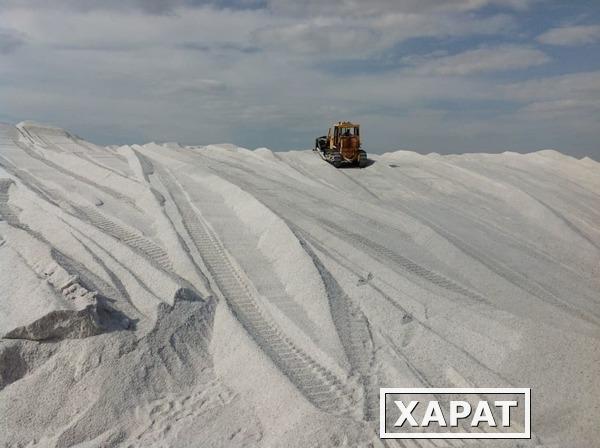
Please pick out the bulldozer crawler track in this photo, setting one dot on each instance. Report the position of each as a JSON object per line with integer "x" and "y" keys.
{"x": 319, "y": 385}
{"x": 403, "y": 262}
{"x": 30, "y": 152}
{"x": 132, "y": 239}
{"x": 135, "y": 241}
{"x": 354, "y": 333}
{"x": 509, "y": 274}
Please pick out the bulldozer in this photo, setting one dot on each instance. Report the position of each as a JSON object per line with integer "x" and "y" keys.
{"x": 341, "y": 145}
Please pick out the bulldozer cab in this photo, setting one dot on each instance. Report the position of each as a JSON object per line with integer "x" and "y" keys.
{"x": 342, "y": 130}
{"x": 346, "y": 139}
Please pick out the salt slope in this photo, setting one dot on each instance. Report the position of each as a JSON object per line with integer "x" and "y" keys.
{"x": 175, "y": 296}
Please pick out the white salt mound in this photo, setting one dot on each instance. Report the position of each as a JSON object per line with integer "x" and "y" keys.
{"x": 164, "y": 295}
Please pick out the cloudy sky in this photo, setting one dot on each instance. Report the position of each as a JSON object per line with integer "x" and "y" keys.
{"x": 428, "y": 75}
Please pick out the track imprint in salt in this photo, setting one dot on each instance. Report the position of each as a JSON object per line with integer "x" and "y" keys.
{"x": 319, "y": 385}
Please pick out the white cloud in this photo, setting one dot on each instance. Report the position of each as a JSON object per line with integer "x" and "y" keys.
{"x": 351, "y": 38}
{"x": 571, "y": 102}
{"x": 482, "y": 60}
{"x": 325, "y": 37}
{"x": 191, "y": 86}
{"x": 562, "y": 107}
{"x": 579, "y": 86}
{"x": 571, "y": 35}
{"x": 371, "y": 8}
{"x": 135, "y": 30}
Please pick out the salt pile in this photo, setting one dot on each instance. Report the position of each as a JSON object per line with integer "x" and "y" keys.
{"x": 163, "y": 295}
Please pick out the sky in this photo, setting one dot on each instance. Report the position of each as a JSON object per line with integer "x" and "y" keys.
{"x": 446, "y": 76}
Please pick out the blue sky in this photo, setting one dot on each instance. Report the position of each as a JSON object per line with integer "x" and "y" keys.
{"x": 441, "y": 76}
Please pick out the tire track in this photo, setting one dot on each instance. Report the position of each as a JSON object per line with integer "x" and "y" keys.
{"x": 359, "y": 185}
{"x": 134, "y": 240}
{"x": 80, "y": 285}
{"x": 371, "y": 247}
{"x": 509, "y": 274}
{"x": 512, "y": 276}
{"x": 409, "y": 318}
{"x": 353, "y": 329}
{"x": 319, "y": 385}
{"x": 154, "y": 181}
{"x": 291, "y": 211}
{"x": 539, "y": 254}
{"x": 47, "y": 194}
{"x": 31, "y": 153}
{"x": 119, "y": 287}
{"x": 273, "y": 198}
{"x": 405, "y": 263}
{"x": 339, "y": 259}
{"x": 101, "y": 255}
{"x": 354, "y": 332}
{"x": 561, "y": 216}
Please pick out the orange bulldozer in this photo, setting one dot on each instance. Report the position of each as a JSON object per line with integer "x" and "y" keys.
{"x": 341, "y": 145}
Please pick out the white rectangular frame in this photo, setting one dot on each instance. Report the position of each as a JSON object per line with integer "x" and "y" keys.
{"x": 526, "y": 391}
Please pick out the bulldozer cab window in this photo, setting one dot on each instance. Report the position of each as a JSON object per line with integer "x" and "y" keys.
{"x": 347, "y": 132}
